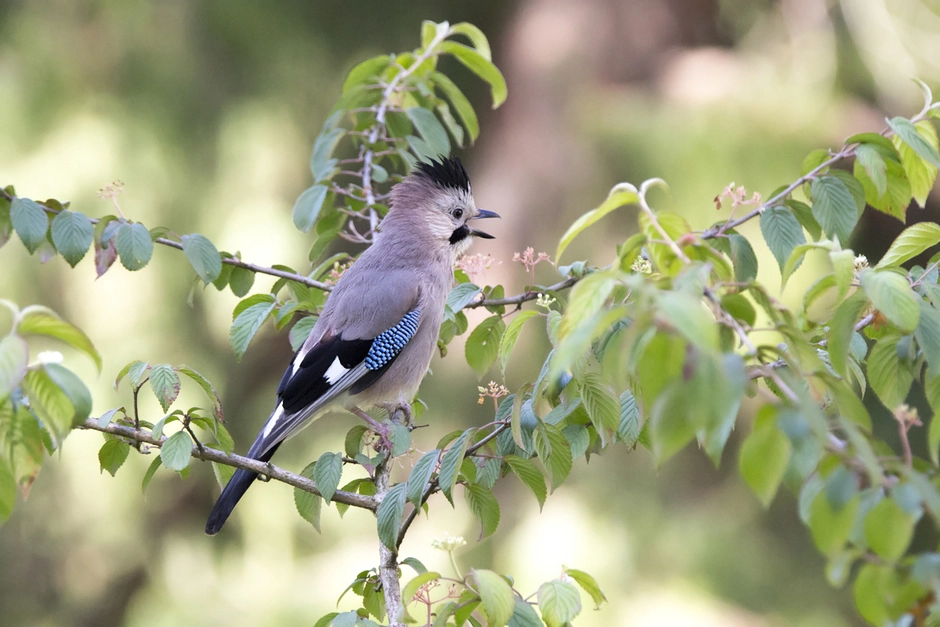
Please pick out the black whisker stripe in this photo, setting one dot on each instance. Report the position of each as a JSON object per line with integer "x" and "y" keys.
{"x": 460, "y": 233}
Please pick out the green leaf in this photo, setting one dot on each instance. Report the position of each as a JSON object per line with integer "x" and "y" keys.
{"x": 327, "y": 474}
{"x": 496, "y": 596}
{"x": 743, "y": 258}
{"x": 112, "y": 455}
{"x": 176, "y": 452}
{"x": 133, "y": 245}
{"x": 891, "y": 294}
{"x": 411, "y": 588}
{"x": 888, "y": 529}
{"x": 554, "y": 452}
{"x": 50, "y": 402}
{"x": 459, "y": 102}
{"x": 365, "y": 71}
{"x": 482, "y": 345}
{"x": 928, "y": 336}
{"x": 589, "y": 585}
{"x": 321, "y": 165}
{"x": 203, "y": 256}
{"x": 842, "y": 328}
{"x": 834, "y": 207}
{"x": 14, "y": 358}
{"x": 165, "y": 384}
{"x": 206, "y": 387}
{"x": 7, "y": 491}
{"x": 910, "y": 136}
{"x": 559, "y": 601}
{"x": 920, "y": 173}
{"x": 476, "y": 37}
{"x": 30, "y": 222}
{"x": 896, "y": 198}
{"x": 524, "y": 615}
{"x": 484, "y": 506}
{"x": 601, "y": 406}
{"x": 690, "y": 317}
{"x": 765, "y": 455}
{"x": 481, "y": 66}
{"x": 430, "y": 129}
{"x": 307, "y": 208}
{"x": 39, "y": 320}
{"x": 530, "y": 475}
{"x": 450, "y": 464}
{"x": 461, "y": 296}
{"x": 389, "y": 515}
{"x": 72, "y": 234}
{"x": 875, "y": 167}
{"x": 246, "y": 325}
{"x": 421, "y": 475}
{"x": 621, "y": 194}
{"x": 308, "y": 504}
{"x": 830, "y": 527}
{"x": 890, "y": 370}
{"x": 628, "y": 431}
{"x": 511, "y": 335}
{"x": 300, "y": 331}
{"x": 804, "y": 215}
{"x": 782, "y": 232}
{"x": 911, "y": 242}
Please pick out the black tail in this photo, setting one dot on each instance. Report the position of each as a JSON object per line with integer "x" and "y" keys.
{"x": 232, "y": 494}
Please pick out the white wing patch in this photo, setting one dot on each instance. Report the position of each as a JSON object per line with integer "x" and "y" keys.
{"x": 272, "y": 421}
{"x": 298, "y": 360}
{"x": 335, "y": 372}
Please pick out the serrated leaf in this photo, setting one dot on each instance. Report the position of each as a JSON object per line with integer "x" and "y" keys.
{"x": 628, "y": 431}
{"x": 690, "y": 317}
{"x": 484, "y": 506}
{"x": 430, "y": 129}
{"x": 421, "y": 475}
{"x": 765, "y": 455}
{"x": 909, "y": 135}
{"x": 165, "y": 384}
{"x": 206, "y": 387}
{"x": 30, "y": 222}
{"x": 601, "y": 406}
{"x": 511, "y": 335}
{"x": 559, "y": 601}
{"x": 896, "y": 198}
{"x": 589, "y": 585}
{"x": 176, "y": 452}
{"x": 621, "y": 194}
{"x": 389, "y": 515}
{"x": 496, "y": 596}
{"x": 834, "y": 207}
{"x": 203, "y": 256}
{"x": 14, "y": 358}
{"x": 928, "y": 337}
{"x": 842, "y": 329}
{"x": 308, "y": 505}
{"x": 891, "y": 294}
{"x": 782, "y": 232}
{"x": 482, "y": 347}
{"x": 889, "y": 375}
{"x": 482, "y": 67}
{"x": 461, "y": 296}
{"x": 112, "y": 455}
{"x": 72, "y": 234}
{"x": 39, "y": 320}
{"x": 554, "y": 452}
{"x": 743, "y": 258}
{"x": 830, "y": 527}
{"x": 246, "y": 325}
{"x": 888, "y": 529}
{"x": 300, "y": 331}
{"x": 920, "y": 173}
{"x": 524, "y": 615}
{"x": 307, "y": 207}
{"x": 530, "y": 475}
{"x": 134, "y": 246}
{"x": 911, "y": 242}
{"x": 321, "y": 165}
{"x": 875, "y": 167}
{"x": 327, "y": 474}
{"x": 450, "y": 464}
{"x": 7, "y": 491}
{"x": 50, "y": 402}
{"x": 411, "y": 588}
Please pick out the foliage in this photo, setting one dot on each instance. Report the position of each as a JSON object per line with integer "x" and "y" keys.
{"x": 659, "y": 349}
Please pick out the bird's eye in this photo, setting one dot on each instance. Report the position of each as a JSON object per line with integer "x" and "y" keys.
{"x": 458, "y": 213}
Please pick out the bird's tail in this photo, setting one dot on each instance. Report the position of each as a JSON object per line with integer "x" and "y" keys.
{"x": 233, "y": 492}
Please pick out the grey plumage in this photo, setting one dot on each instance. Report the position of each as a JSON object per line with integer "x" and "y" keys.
{"x": 374, "y": 339}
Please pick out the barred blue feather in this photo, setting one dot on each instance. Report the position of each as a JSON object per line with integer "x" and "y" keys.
{"x": 387, "y": 345}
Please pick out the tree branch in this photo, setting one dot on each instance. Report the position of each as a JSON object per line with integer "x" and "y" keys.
{"x": 232, "y": 261}
{"x": 388, "y": 559}
{"x": 236, "y": 461}
{"x": 522, "y": 298}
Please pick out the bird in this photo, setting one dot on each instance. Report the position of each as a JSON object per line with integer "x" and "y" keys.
{"x": 373, "y": 341}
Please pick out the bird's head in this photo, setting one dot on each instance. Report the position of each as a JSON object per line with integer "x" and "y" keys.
{"x": 438, "y": 194}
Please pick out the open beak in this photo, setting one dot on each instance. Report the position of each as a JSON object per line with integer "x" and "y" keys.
{"x": 483, "y": 213}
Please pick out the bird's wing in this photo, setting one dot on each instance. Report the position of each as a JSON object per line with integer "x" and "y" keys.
{"x": 336, "y": 356}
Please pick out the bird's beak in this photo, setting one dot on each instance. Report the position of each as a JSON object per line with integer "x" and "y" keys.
{"x": 483, "y": 213}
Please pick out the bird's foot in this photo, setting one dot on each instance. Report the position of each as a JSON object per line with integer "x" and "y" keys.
{"x": 383, "y": 444}
{"x": 399, "y": 410}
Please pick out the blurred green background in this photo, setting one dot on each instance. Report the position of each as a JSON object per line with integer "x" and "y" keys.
{"x": 207, "y": 111}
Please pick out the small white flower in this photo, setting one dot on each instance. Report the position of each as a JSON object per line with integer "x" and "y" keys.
{"x": 449, "y": 542}
{"x": 861, "y": 262}
{"x": 49, "y": 357}
{"x": 642, "y": 266}
{"x": 544, "y": 301}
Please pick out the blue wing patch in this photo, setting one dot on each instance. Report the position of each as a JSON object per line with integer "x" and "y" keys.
{"x": 386, "y": 346}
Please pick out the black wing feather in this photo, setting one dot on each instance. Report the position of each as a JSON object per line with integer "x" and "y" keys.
{"x": 309, "y": 382}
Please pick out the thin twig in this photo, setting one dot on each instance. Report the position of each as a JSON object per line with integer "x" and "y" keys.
{"x": 207, "y": 454}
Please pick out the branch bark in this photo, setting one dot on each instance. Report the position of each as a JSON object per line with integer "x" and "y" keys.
{"x": 204, "y": 453}
{"x": 388, "y": 559}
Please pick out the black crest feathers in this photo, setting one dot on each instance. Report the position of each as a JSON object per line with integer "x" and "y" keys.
{"x": 448, "y": 172}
